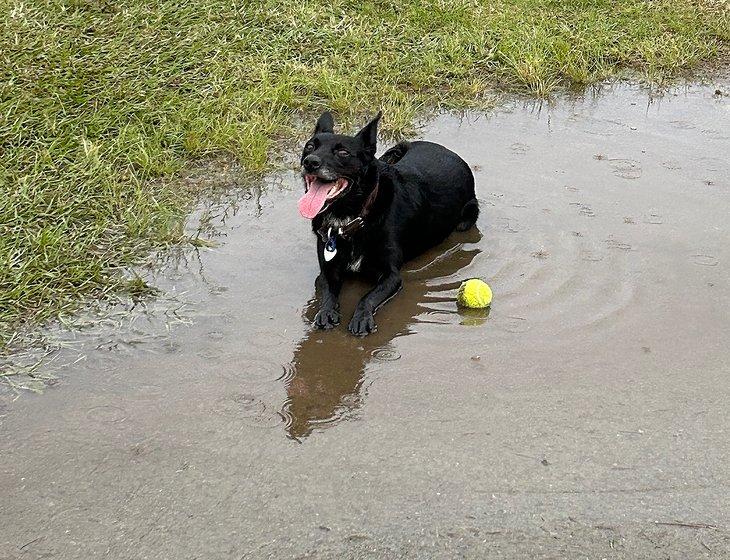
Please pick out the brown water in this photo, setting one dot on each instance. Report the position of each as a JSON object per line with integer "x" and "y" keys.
{"x": 584, "y": 415}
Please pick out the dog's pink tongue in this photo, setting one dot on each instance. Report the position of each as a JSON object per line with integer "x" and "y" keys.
{"x": 313, "y": 200}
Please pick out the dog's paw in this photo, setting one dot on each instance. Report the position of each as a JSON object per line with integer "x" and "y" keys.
{"x": 362, "y": 324}
{"x": 327, "y": 318}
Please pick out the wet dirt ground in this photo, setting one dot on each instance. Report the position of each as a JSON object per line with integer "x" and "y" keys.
{"x": 584, "y": 416}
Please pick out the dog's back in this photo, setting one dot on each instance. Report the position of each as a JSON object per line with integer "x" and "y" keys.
{"x": 433, "y": 194}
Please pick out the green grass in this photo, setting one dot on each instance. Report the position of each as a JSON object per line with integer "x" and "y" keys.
{"x": 102, "y": 101}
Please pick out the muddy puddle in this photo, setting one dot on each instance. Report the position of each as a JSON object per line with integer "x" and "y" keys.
{"x": 584, "y": 413}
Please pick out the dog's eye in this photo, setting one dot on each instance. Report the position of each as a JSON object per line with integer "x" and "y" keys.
{"x": 342, "y": 153}
{"x": 308, "y": 147}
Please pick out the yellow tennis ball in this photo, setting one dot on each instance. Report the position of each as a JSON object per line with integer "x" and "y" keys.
{"x": 474, "y": 294}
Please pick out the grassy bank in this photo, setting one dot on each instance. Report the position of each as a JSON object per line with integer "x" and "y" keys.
{"x": 98, "y": 98}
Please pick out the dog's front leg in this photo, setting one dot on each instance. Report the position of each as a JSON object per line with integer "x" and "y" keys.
{"x": 329, "y": 312}
{"x": 329, "y": 282}
{"x": 363, "y": 321}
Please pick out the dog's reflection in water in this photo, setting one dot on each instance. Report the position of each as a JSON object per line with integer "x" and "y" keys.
{"x": 328, "y": 367}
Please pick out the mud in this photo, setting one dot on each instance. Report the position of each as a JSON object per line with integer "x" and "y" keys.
{"x": 584, "y": 416}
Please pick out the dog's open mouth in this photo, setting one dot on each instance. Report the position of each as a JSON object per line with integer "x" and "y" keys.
{"x": 319, "y": 193}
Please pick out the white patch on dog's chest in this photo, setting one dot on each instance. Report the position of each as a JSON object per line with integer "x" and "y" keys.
{"x": 355, "y": 264}
{"x": 355, "y": 258}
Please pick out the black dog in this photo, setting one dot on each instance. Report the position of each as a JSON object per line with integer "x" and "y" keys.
{"x": 372, "y": 215}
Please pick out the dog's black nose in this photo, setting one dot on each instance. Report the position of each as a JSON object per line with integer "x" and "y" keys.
{"x": 311, "y": 162}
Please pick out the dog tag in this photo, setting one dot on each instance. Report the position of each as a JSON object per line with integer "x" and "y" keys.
{"x": 330, "y": 248}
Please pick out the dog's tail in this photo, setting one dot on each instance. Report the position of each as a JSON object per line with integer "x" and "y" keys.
{"x": 396, "y": 153}
{"x": 469, "y": 215}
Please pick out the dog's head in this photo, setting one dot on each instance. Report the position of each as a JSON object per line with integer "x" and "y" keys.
{"x": 334, "y": 167}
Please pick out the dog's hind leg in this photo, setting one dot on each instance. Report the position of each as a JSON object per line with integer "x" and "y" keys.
{"x": 469, "y": 215}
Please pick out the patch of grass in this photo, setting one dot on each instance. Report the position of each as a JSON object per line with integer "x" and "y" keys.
{"x": 101, "y": 99}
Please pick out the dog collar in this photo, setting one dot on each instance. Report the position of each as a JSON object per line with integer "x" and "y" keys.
{"x": 356, "y": 224}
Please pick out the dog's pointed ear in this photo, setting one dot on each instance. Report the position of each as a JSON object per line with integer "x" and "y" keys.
{"x": 325, "y": 123}
{"x": 369, "y": 133}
